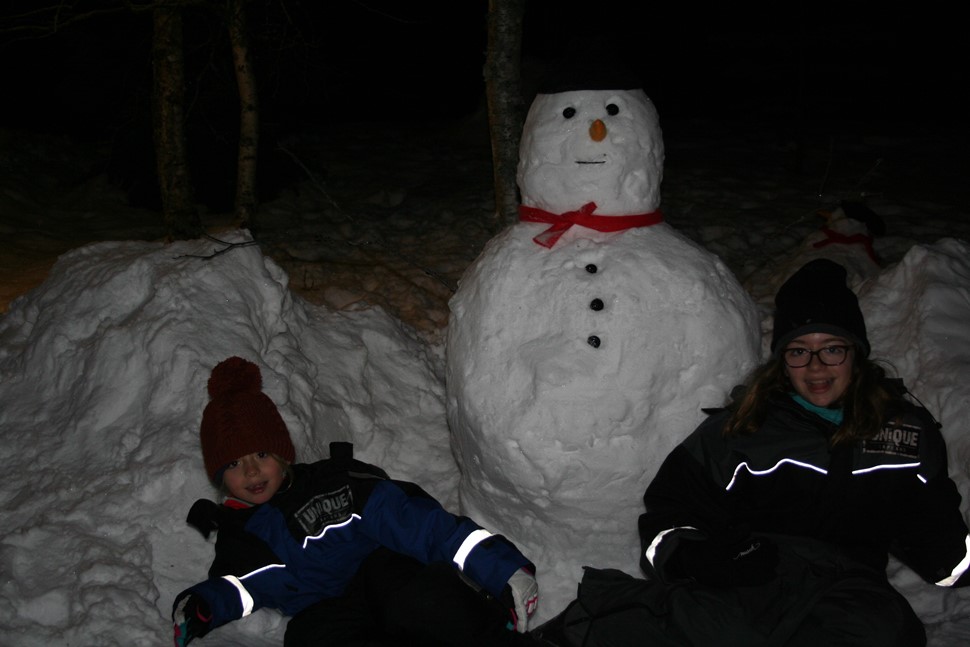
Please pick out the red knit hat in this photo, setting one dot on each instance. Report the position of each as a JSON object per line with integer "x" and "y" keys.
{"x": 240, "y": 419}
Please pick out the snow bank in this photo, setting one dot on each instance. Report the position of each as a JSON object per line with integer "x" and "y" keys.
{"x": 918, "y": 316}
{"x": 102, "y": 386}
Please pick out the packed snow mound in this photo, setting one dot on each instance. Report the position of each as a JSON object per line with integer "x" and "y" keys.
{"x": 573, "y": 372}
{"x": 103, "y": 373}
{"x": 918, "y": 317}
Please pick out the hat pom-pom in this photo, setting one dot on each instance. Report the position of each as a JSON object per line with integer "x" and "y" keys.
{"x": 234, "y": 375}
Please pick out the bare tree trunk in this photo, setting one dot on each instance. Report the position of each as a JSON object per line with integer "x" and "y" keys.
{"x": 503, "y": 90}
{"x": 171, "y": 159}
{"x": 248, "y": 115}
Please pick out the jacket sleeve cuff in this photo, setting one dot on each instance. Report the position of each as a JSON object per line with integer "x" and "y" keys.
{"x": 959, "y": 577}
{"x": 227, "y": 598}
{"x": 658, "y": 551}
{"x": 490, "y": 560}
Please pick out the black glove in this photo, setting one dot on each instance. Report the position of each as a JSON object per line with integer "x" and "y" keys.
{"x": 190, "y": 619}
{"x": 748, "y": 562}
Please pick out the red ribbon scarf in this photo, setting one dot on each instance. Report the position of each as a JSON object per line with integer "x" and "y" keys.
{"x": 583, "y": 217}
{"x": 833, "y": 236}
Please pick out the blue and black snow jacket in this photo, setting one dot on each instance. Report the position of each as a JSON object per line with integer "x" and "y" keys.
{"x": 309, "y": 540}
{"x": 889, "y": 494}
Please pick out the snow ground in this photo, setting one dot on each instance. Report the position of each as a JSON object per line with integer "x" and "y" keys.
{"x": 344, "y": 305}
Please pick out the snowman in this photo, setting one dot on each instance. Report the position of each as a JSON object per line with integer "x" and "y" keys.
{"x": 585, "y": 339}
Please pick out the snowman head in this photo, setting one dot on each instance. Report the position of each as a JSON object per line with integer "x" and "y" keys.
{"x": 602, "y": 146}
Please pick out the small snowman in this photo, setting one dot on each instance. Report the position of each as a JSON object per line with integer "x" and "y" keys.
{"x": 847, "y": 236}
{"x": 585, "y": 339}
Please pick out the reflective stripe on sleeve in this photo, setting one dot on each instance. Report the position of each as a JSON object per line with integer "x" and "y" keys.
{"x": 472, "y": 540}
{"x": 651, "y": 551}
{"x": 244, "y": 597}
{"x": 959, "y": 569}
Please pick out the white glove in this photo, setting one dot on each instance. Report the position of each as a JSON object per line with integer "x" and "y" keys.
{"x": 525, "y": 596}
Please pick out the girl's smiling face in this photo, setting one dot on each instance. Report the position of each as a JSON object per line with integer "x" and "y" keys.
{"x": 817, "y": 382}
{"x": 254, "y": 478}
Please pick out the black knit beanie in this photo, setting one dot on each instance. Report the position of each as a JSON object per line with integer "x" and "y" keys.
{"x": 817, "y": 299}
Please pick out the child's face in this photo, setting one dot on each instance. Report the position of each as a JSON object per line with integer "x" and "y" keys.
{"x": 823, "y": 384}
{"x": 254, "y": 478}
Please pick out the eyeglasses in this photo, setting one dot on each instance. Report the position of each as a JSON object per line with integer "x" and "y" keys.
{"x": 829, "y": 355}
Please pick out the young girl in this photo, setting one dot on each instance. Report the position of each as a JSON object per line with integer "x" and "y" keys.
{"x": 354, "y": 556}
{"x": 785, "y": 507}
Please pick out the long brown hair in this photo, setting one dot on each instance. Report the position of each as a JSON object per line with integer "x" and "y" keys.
{"x": 864, "y": 404}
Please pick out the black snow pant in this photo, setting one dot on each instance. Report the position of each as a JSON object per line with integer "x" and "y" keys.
{"x": 397, "y": 601}
{"x": 819, "y": 598}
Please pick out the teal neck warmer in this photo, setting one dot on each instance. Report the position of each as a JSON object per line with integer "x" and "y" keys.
{"x": 832, "y": 415}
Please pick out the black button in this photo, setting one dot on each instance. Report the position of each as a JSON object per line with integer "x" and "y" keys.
{"x": 593, "y": 341}
{"x": 596, "y": 304}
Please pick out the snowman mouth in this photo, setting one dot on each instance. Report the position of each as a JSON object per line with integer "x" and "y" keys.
{"x": 595, "y": 162}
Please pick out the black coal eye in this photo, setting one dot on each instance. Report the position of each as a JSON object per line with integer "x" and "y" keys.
{"x": 569, "y": 113}
{"x": 612, "y": 110}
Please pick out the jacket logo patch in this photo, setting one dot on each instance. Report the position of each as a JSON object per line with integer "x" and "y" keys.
{"x": 896, "y": 441}
{"x": 325, "y": 509}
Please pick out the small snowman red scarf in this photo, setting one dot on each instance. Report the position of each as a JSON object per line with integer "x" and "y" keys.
{"x": 832, "y": 236}
{"x": 583, "y": 217}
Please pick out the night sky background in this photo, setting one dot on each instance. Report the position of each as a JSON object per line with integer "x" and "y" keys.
{"x": 792, "y": 67}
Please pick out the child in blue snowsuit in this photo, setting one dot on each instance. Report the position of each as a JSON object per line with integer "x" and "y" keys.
{"x": 356, "y": 557}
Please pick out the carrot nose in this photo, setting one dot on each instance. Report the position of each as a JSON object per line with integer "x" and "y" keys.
{"x": 597, "y": 131}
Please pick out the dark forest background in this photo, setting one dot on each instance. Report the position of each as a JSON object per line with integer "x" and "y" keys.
{"x": 324, "y": 64}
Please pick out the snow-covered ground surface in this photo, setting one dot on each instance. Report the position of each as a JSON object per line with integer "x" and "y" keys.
{"x": 344, "y": 304}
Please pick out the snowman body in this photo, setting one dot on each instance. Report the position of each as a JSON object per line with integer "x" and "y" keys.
{"x": 574, "y": 368}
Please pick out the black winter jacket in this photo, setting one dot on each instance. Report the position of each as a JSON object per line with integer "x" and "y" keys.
{"x": 887, "y": 494}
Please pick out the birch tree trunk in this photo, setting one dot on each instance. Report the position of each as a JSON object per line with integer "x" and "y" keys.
{"x": 178, "y": 210}
{"x": 503, "y": 91}
{"x": 246, "y": 198}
